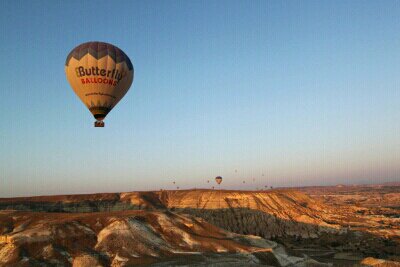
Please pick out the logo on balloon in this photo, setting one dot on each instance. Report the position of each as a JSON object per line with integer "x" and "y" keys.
{"x": 111, "y": 77}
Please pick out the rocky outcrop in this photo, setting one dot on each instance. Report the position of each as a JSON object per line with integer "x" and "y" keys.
{"x": 9, "y": 254}
{"x": 372, "y": 262}
{"x": 4, "y": 239}
{"x": 129, "y": 238}
{"x": 88, "y": 260}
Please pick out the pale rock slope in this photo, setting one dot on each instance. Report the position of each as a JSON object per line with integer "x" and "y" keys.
{"x": 128, "y": 238}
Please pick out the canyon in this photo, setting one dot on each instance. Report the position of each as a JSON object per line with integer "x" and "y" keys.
{"x": 312, "y": 226}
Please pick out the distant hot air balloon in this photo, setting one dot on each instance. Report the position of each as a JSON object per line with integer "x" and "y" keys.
{"x": 244, "y": 182}
{"x": 173, "y": 182}
{"x": 218, "y": 179}
{"x": 100, "y": 74}
{"x": 208, "y": 181}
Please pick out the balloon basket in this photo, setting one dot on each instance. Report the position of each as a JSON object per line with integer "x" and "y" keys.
{"x": 98, "y": 124}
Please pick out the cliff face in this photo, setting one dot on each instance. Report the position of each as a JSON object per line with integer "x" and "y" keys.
{"x": 287, "y": 205}
{"x": 283, "y": 204}
{"x": 275, "y": 213}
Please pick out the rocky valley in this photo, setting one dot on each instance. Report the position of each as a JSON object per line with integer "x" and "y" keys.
{"x": 324, "y": 226}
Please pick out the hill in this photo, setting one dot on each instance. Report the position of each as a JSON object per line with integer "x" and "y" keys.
{"x": 275, "y": 226}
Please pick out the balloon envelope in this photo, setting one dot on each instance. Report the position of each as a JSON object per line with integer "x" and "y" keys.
{"x": 100, "y": 74}
{"x": 218, "y": 179}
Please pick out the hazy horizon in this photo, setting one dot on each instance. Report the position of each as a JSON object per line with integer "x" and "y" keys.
{"x": 207, "y": 186}
{"x": 306, "y": 93}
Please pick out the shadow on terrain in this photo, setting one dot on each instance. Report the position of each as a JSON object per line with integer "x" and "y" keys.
{"x": 319, "y": 242}
{"x": 297, "y": 235}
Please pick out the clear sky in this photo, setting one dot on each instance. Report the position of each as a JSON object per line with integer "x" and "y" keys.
{"x": 304, "y": 92}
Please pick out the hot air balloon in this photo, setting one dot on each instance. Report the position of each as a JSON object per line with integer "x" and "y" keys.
{"x": 100, "y": 74}
{"x": 208, "y": 181}
{"x": 218, "y": 179}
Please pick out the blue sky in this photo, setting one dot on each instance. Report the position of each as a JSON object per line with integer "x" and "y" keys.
{"x": 304, "y": 92}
